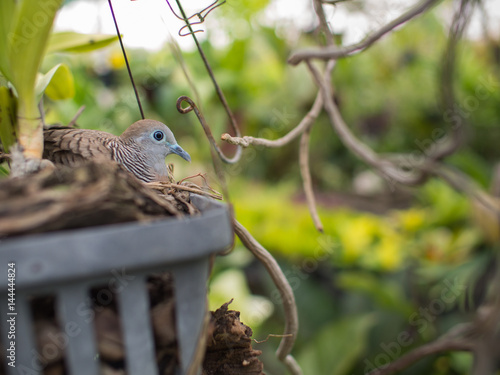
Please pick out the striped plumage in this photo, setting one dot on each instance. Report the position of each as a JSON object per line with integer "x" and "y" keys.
{"x": 141, "y": 149}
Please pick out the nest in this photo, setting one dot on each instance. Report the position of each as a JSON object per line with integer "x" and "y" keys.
{"x": 102, "y": 194}
{"x": 90, "y": 195}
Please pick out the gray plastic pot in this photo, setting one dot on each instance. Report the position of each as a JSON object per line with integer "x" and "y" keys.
{"x": 67, "y": 264}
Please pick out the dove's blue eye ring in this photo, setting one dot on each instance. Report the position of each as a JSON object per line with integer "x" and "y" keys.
{"x": 158, "y": 135}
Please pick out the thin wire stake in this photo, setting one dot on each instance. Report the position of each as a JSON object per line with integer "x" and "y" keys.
{"x": 218, "y": 90}
{"x": 126, "y": 60}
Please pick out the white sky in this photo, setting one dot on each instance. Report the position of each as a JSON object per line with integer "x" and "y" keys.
{"x": 147, "y": 23}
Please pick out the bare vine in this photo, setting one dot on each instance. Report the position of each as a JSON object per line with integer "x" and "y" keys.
{"x": 334, "y": 52}
{"x": 286, "y": 294}
{"x": 482, "y": 335}
{"x": 478, "y": 336}
{"x": 272, "y": 267}
{"x": 456, "y": 339}
{"x": 288, "y": 300}
{"x": 201, "y": 17}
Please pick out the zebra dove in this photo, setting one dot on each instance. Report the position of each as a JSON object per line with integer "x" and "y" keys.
{"x": 141, "y": 149}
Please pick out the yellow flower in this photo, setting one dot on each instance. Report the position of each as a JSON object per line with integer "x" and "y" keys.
{"x": 389, "y": 251}
{"x": 411, "y": 220}
{"x": 357, "y": 237}
{"x": 116, "y": 60}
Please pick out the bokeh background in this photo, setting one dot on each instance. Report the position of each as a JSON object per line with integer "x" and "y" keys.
{"x": 371, "y": 286}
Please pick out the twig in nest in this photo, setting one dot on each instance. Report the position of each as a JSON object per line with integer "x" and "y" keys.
{"x": 72, "y": 123}
{"x": 192, "y": 188}
{"x": 286, "y": 294}
{"x": 202, "y": 175}
{"x": 207, "y": 185}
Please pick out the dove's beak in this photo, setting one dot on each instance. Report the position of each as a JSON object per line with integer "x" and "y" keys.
{"x": 176, "y": 149}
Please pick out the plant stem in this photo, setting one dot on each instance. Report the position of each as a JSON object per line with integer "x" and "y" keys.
{"x": 30, "y": 129}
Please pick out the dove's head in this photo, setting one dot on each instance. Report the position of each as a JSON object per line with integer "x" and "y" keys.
{"x": 154, "y": 138}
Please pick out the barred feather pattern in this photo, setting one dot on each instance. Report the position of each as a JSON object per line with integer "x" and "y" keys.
{"x": 132, "y": 158}
{"x": 72, "y": 147}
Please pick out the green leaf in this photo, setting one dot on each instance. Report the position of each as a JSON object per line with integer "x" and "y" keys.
{"x": 43, "y": 80}
{"x": 8, "y": 119}
{"x": 387, "y": 294}
{"x": 461, "y": 362}
{"x": 57, "y": 83}
{"x": 69, "y": 41}
{"x": 27, "y": 43}
{"x": 335, "y": 349}
{"x": 7, "y": 10}
{"x": 236, "y": 57}
{"x": 3, "y": 171}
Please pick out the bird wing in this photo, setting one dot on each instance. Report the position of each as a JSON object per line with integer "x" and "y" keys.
{"x": 71, "y": 146}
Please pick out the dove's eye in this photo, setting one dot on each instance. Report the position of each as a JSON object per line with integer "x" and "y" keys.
{"x": 158, "y": 135}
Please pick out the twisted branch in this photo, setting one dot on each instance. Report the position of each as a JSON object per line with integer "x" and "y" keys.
{"x": 365, "y": 153}
{"x": 214, "y": 150}
{"x": 393, "y": 168}
{"x": 308, "y": 119}
{"x": 452, "y": 340}
{"x": 306, "y": 178}
{"x": 460, "y": 21}
{"x": 303, "y": 129}
{"x": 200, "y": 15}
{"x": 286, "y": 294}
{"x": 334, "y": 52}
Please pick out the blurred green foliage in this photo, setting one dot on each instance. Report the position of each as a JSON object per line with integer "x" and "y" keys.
{"x": 362, "y": 286}
{"x": 435, "y": 230}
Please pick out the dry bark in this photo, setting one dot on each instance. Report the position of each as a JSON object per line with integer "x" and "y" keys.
{"x": 229, "y": 346}
{"x": 91, "y": 195}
